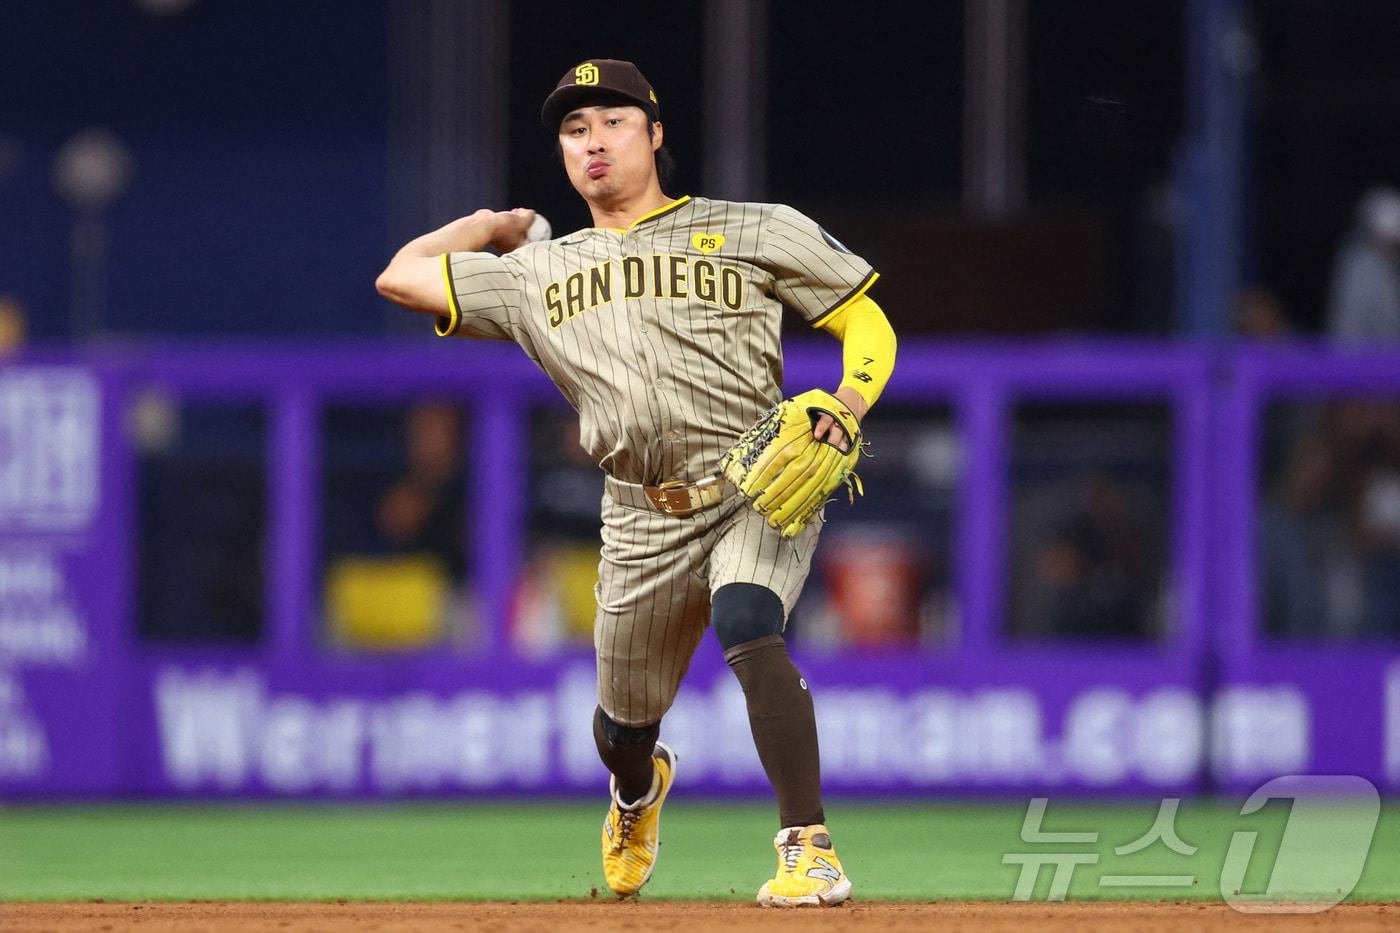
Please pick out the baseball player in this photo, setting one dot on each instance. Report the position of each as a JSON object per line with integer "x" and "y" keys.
{"x": 660, "y": 324}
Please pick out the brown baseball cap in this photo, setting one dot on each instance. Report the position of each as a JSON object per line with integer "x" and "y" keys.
{"x": 599, "y": 79}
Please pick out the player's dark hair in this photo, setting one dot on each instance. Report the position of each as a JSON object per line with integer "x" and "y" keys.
{"x": 665, "y": 167}
{"x": 665, "y": 162}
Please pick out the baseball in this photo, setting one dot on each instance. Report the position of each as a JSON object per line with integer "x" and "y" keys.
{"x": 539, "y": 230}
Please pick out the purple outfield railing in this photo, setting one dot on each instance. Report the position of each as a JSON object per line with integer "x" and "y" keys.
{"x": 85, "y": 709}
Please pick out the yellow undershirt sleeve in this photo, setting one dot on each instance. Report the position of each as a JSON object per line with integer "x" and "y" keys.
{"x": 867, "y": 346}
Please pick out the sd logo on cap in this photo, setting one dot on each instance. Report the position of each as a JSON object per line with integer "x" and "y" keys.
{"x": 599, "y": 80}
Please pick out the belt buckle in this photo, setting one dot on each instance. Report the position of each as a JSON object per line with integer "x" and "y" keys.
{"x": 668, "y": 503}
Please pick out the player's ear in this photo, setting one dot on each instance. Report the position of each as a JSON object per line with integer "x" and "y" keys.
{"x": 658, "y": 136}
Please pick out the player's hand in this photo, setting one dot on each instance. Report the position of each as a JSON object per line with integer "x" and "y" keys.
{"x": 511, "y": 229}
{"x": 827, "y": 428}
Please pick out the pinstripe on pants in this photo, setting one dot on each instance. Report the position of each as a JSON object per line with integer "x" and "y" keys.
{"x": 654, "y": 585}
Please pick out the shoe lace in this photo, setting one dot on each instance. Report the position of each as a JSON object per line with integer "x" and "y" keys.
{"x": 626, "y": 822}
{"x": 790, "y": 850}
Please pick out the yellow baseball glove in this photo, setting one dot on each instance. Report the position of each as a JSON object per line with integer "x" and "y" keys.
{"x": 785, "y": 472}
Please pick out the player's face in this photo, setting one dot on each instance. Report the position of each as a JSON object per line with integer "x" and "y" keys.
{"x": 608, "y": 152}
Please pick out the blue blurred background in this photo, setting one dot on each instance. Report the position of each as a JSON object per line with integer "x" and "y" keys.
{"x": 1051, "y": 164}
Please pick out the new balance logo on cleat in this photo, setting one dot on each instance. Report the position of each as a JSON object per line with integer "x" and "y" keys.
{"x": 825, "y": 871}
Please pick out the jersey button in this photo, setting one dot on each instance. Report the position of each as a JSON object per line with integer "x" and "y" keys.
{"x": 660, "y": 382}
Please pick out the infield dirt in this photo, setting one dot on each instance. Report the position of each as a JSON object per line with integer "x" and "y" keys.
{"x": 975, "y": 917}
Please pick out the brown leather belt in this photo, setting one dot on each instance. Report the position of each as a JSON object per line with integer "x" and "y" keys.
{"x": 674, "y": 497}
{"x": 678, "y": 498}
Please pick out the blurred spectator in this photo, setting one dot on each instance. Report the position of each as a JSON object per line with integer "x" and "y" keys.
{"x": 1328, "y": 527}
{"x": 1290, "y": 589}
{"x": 423, "y": 510}
{"x": 1345, "y": 481}
{"x": 14, "y": 326}
{"x": 1364, "y": 306}
{"x": 1091, "y": 504}
{"x": 554, "y": 603}
{"x": 1375, "y": 514}
{"x": 397, "y": 565}
{"x": 1091, "y": 573}
{"x": 1259, "y": 315}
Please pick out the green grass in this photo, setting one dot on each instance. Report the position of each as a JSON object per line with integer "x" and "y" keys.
{"x": 525, "y": 851}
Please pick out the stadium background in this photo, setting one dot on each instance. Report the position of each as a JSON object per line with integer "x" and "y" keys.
{"x": 1132, "y": 528}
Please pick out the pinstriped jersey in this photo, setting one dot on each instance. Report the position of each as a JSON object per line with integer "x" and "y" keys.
{"x": 665, "y": 336}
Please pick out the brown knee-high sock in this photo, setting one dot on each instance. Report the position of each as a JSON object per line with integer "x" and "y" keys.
{"x": 784, "y": 726}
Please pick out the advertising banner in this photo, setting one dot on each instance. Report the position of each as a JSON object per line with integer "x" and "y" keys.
{"x": 59, "y": 660}
{"x": 89, "y": 710}
{"x": 885, "y": 728}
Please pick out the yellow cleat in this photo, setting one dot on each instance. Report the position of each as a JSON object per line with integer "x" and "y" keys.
{"x": 631, "y": 834}
{"x": 809, "y": 873}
